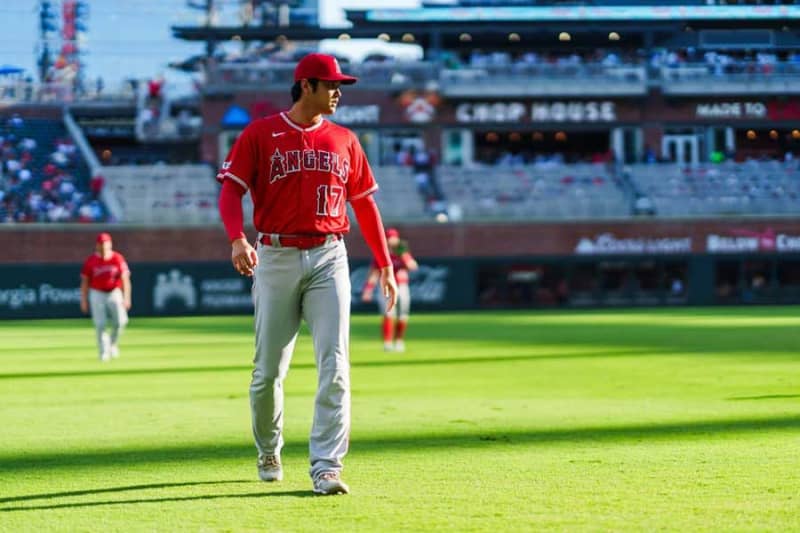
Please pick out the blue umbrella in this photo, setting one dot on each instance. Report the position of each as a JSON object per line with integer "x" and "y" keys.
{"x": 10, "y": 69}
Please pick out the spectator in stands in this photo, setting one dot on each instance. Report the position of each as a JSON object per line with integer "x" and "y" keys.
{"x": 184, "y": 123}
{"x": 96, "y": 186}
{"x": 422, "y": 167}
{"x": 423, "y": 162}
{"x": 36, "y": 192}
{"x": 650, "y": 156}
{"x": 401, "y": 156}
{"x": 155, "y": 88}
{"x": 16, "y": 121}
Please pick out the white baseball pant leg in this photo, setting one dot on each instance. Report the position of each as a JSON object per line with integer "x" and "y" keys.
{"x": 326, "y": 309}
{"x": 313, "y": 284}
{"x": 118, "y": 314}
{"x": 107, "y": 309}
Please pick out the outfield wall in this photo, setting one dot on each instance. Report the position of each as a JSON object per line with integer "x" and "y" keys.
{"x": 71, "y": 244}
{"x": 187, "y": 271}
{"x": 203, "y": 288}
{"x": 206, "y": 288}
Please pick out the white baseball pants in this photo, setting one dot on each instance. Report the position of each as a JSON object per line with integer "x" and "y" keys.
{"x": 289, "y": 285}
{"x": 108, "y": 309}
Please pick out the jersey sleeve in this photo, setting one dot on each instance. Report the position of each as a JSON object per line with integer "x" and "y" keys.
{"x": 240, "y": 165}
{"x": 123, "y": 265}
{"x": 361, "y": 181}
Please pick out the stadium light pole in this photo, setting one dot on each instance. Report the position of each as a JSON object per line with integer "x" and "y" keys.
{"x": 48, "y": 24}
{"x": 208, "y": 7}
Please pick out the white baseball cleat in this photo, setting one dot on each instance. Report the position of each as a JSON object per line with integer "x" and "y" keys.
{"x": 114, "y": 351}
{"x": 388, "y": 347}
{"x": 105, "y": 352}
{"x": 328, "y": 483}
{"x": 399, "y": 346}
{"x": 269, "y": 468}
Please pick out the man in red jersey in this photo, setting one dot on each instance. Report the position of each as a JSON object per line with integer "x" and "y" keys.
{"x": 395, "y": 321}
{"x": 106, "y": 291}
{"x": 300, "y": 170}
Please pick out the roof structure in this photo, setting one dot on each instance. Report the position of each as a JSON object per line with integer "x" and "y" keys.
{"x": 453, "y": 28}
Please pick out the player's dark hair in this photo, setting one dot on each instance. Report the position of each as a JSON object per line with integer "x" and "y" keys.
{"x": 297, "y": 88}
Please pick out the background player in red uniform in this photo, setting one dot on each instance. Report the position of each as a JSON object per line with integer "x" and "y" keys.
{"x": 300, "y": 170}
{"x": 395, "y": 321}
{"x": 106, "y": 291}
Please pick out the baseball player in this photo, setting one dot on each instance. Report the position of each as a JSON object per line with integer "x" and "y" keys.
{"x": 106, "y": 291}
{"x": 395, "y": 321}
{"x": 300, "y": 169}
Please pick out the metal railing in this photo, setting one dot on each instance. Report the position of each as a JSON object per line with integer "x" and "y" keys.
{"x": 738, "y": 77}
{"x": 512, "y": 79}
{"x": 525, "y": 79}
{"x": 259, "y": 74}
{"x": 544, "y": 79}
{"x": 24, "y": 91}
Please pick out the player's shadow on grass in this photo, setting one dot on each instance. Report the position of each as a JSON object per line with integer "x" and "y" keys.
{"x": 134, "y": 501}
{"x": 764, "y": 397}
{"x": 148, "y": 486}
{"x": 476, "y": 439}
{"x": 627, "y": 352}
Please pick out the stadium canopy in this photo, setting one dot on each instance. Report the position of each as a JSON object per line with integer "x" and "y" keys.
{"x": 436, "y": 28}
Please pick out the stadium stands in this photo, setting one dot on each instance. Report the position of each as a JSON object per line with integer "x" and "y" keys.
{"x": 398, "y": 198}
{"x": 567, "y": 192}
{"x": 678, "y": 71}
{"x": 164, "y": 194}
{"x": 750, "y": 188}
{"x": 43, "y": 177}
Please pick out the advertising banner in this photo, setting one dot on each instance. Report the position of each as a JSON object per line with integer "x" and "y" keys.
{"x": 213, "y": 288}
{"x": 443, "y": 284}
{"x": 40, "y": 291}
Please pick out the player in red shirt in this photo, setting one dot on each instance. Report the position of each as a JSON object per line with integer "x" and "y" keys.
{"x": 300, "y": 169}
{"x": 106, "y": 291}
{"x": 395, "y": 321}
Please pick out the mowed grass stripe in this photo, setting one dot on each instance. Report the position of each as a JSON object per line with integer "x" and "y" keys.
{"x": 672, "y": 419}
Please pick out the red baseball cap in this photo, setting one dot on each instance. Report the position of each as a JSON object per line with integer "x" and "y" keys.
{"x": 322, "y": 67}
{"x": 103, "y": 237}
{"x": 392, "y": 232}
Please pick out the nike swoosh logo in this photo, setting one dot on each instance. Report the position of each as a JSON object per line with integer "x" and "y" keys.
{"x": 277, "y": 133}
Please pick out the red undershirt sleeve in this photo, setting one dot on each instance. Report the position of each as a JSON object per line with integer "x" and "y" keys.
{"x": 369, "y": 220}
{"x": 230, "y": 209}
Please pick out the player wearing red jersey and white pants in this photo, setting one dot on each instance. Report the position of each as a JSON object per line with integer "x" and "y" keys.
{"x": 300, "y": 169}
{"x": 395, "y": 321}
{"x": 106, "y": 291}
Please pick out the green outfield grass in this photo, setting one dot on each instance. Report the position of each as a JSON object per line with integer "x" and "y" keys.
{"x": 636, "y": 420}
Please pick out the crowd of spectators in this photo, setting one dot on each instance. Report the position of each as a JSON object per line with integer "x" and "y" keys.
{"x": 719, "y": 62}
{"x": 520, "y": 60}
{"x": 725, "y": 63}
{"x": 518, "y": 157}
{"x": 630, "y": 63}
{"x": 38, "y": 183}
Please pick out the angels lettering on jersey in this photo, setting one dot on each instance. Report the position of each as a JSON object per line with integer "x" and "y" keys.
{"x": 288, "y": 162}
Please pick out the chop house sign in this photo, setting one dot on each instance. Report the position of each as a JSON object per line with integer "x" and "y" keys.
{"x": 583, "y": 111}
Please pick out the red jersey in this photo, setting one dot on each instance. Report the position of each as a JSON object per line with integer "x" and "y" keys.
{"x": 105, "y": 274}
{"x": 399, "y": 265}
{"x": 299, "y": 177}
